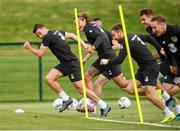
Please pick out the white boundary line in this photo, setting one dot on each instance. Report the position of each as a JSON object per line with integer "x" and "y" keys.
{"x": 131, "y": 122}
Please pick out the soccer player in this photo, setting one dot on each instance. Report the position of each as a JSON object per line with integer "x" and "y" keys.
{"x": 147, "y": 73}
{"x": 97, "y": 85}
{"x": 145, "y": 18}
{"x": 114, "y": 44}
{"x": 168, "y": 37}
{"x": 97, "y": 21}
{"x": 69, "y": 66}
{"x": 165, "y": 74}
{"x": 100, "y": 42}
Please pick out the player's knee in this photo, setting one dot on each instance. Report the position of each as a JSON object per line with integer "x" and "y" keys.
{"x": 87, "y": 77}
{"x": 130, "y": 91}
{"x": 173, "y": 90}
{"x": 97, "y": 84}
{"x": 79, "y": 89}
{"x": 48, "y": 79}
{"x": 149, "y": 94}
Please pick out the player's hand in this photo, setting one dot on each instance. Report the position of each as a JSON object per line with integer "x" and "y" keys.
{"x": 104, "y": 61}
{"x": 89, "y": 49}
{"x": 85, "y": 46}
{"x": 27, "y": 45}
{"x": 173, "y": 69}
{"x": 162, "y": 52}
{"x": 84, "y": 61}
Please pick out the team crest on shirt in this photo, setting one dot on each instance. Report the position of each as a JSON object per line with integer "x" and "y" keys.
{"x": 174, "y": 39}
{"x": 90, "y": 31}
{"x": 164, "y": 42}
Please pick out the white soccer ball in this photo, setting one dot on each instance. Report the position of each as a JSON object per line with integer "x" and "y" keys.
{"x": 74, "y": 105}
{"x": 57, "y": 103}
{"x": 81, "y": 102}
{"x": 124, "y": 103}
{"x": 90, "y": 105}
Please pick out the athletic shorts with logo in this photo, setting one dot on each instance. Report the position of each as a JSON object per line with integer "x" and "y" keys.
{"x": 169, "y": 77}
{"x": 164, "y": 68}
{"x": 109, "y": 71}
{"x": 148, "y": 75}
{"x": 70, "y": 69}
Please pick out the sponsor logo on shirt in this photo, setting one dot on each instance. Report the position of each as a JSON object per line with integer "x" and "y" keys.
{"x": 90, "y": 31}
{"x": 146, "y": 79}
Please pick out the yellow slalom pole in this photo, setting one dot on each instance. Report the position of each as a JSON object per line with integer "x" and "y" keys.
{"x": 81, "y": 63}
{"x": 130, "y": 63}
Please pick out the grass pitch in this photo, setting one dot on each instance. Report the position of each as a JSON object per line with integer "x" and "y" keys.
{"x": 41, "y": 116}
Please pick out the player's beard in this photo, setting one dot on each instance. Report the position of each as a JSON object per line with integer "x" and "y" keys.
{"x": 120, "y": 40}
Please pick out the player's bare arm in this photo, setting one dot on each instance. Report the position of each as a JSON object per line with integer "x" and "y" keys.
{"x": 87, "y": 56}
{"x": 90, "y": 49}
{"x": 39, "y": 52}
{"x": 74, "y": 37}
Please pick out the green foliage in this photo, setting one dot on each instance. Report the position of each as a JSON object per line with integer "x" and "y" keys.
{"x": 19, "y": 16}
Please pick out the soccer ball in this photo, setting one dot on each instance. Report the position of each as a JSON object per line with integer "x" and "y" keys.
{"x": 57, "y": 103}
{"x": 90, "y": 106}
{"x": 74, "y": 105}
{"x": 124, "y": 103}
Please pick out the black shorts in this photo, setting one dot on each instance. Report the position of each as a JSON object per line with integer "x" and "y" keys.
{"x": 169, "y": 79}
{"x": 109, "y": 71}
{"x": 71, "y": 69}
{"x": 148, "y": 75}
{"x": 164, "y": 67}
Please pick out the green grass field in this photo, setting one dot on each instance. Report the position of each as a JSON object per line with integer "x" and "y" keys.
{"x": 19, "y": 87}
{"x": 41, "y": 116}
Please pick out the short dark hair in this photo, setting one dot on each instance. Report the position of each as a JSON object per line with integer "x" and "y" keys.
{"x": 159, "y": 18}
{"x": 84, "y": 15}
{"x": 146, "y": 11}
{"x": 37, "y": 26}
{"x": 96, "y": 18}
{"x": 117, "y": 27}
